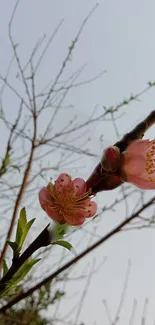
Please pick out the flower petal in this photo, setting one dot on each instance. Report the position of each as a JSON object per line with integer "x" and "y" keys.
{"x": 132, "y": 165}
{"x": 141, "y": 183}
{"x": 47, "y": 204}
{"x": 138, "y": 147}
{"x": 79, "y": 186}
{"x": 62, "y": 182}
{"x": 53, "y": 214}
{"x": 76, "y": 220}
{"x": 90, "y": 208}
{"x": 44, "y": 197}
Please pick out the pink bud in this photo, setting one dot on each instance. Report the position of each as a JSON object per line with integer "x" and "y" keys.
{"x": 110, "y": 160}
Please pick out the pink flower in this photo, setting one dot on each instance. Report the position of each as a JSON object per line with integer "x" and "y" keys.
{"x": 67, "y": 201}
{"x": 138, "y": 164}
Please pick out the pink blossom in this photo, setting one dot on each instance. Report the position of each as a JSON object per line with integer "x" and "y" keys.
{"x": 138, "y": 164}
{"x": 67, "y": 201}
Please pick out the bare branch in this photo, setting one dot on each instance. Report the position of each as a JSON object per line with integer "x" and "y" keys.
{"x": 66, "y": 60}
{"x": 121, "y": 302}
{"x": 48, "y": 44}
{"x": 14, "y": 48}
{"x": 133, "y": 312}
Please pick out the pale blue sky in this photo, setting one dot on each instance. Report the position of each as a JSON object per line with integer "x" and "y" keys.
{"x": 119, "y": 37}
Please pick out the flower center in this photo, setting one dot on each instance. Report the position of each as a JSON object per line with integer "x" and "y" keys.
{"x": 150, "y": 162}
{"x": 67, "y": 202}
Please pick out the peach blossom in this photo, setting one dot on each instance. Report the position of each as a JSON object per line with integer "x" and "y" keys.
{"x": 138, "y": 164}
{"x": 67, "y": 201}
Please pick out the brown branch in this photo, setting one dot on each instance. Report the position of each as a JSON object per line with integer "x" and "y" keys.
{"x": 99, "y": 180}
{"x": 75, "y": 85}
{"x": 29, "y": 164}
{"x": 98, "y": 118}
{"x": 22, "y": 189}
{"x": 77, "y": 258}
{"x": 137, "y": 133}
{"x": 41, "y": 241}
{"x": 14, "y": 90}
{"x": 6, "y": 77}
{"x": 8, "y": 148}
{"x": 14, "y": 48}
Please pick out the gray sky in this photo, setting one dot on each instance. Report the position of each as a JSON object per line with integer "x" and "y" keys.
{"x": 119, "y": 38}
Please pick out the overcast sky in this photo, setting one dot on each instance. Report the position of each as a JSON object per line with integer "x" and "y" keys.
{"x": 119, "y": 38}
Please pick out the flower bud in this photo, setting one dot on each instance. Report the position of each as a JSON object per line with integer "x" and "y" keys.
{"x": 110, "y": 160}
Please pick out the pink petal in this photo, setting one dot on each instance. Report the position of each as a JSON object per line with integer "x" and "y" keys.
{"x": 75, "y": 220}
{"x": 62, "y": 182}
{"x": 141, "y": 183}
{"x": 133, "y": 165}
{"x": 46, "y": 204}
{"x": 79, "y": 186}
{"x": 53, "y": 214}
{"x": 138, "y": 147}
{"x": 44, "y": 197}
{"x": 90, "y": 208}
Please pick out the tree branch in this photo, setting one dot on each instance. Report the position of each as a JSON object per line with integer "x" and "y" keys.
{"x": 77, "y": 258}
{"x": 100, "y": 180}
{"x": 41, "y": 241}
{"x": 22, "y": 189}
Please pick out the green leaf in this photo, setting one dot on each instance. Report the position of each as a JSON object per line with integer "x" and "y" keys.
{"x": 19, "y": 275}
{"x": 24, "y": 269}
{"x": 21, "y": 225}
{"x": 7, "y": 160}
{"x": 23, "y": 218}
{"x": 5, "y": 268}
{"x": 13, "y": 245}
{"x": 63, "y": 243}
{"x": 23, "y": 228}
{"x": 24, "y": 233}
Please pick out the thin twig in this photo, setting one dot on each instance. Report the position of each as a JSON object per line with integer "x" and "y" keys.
{"x": 122, "y": 295}
{"x": 66, "y": 60}
{"x": 14, "y": 48}
{"x": 133, "y": 312}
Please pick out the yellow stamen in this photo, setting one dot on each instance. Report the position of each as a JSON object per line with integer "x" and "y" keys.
{"x": 150, "y": 161}
{"x": 67, "y": 202}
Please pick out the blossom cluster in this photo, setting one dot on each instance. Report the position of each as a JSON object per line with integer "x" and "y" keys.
{"x": 70, "y": 201}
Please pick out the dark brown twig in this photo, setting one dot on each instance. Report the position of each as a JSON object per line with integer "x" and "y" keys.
{"x": 42, "y": 240}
